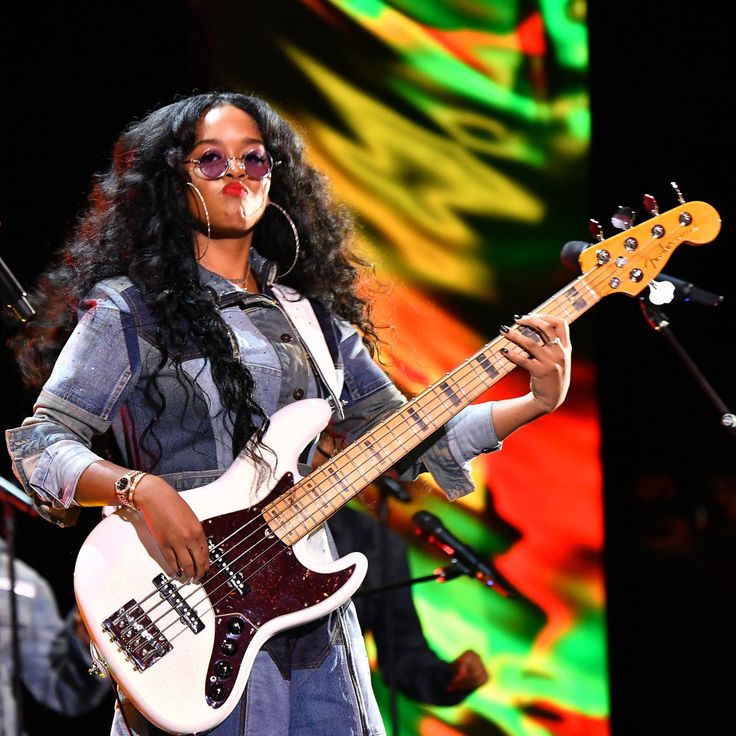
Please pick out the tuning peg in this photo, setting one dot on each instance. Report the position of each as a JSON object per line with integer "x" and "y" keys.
{"x": 623, "y": 218}
{"x": 650, "y": 205}
{"x": 595, "y": 229}
{"x": 680, "y": 198}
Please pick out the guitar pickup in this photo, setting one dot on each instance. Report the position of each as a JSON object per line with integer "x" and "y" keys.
{"x": 168, "y": 591}
{"x": 234, "y": 578}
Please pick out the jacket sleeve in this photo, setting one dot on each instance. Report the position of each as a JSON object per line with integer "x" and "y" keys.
{"x": 90, "y": 379}
{"x": 369, "y": 396}
{"x": 404, "y": 654}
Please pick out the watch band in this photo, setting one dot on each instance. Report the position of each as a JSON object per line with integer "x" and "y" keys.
{"x": 125, "y": 487}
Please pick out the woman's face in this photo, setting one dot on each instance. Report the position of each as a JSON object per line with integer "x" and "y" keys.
{"x": 235, "y": 202}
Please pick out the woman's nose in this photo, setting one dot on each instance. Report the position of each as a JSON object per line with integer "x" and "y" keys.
{"x": 236, "y": 167}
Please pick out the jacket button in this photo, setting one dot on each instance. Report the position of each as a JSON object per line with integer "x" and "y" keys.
{"x": 286, "y": 337}
{"x": 298, "y": 393}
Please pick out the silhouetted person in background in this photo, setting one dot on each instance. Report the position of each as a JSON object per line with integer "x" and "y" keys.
{"x": 54, "y": 652}
{"x": 413, "y": 667}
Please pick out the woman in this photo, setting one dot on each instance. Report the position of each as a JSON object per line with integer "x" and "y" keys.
{"x": 186, "y": 345}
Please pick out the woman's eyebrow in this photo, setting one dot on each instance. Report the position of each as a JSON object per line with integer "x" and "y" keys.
{"x": 217, "y": 141}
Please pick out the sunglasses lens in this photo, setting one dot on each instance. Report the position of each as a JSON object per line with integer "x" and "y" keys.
{"x": 213, "y": 164}
{"x": 257, "y": 163}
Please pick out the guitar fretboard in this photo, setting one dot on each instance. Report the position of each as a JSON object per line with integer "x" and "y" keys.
{"x": 624, "y": 263}
{"x": 318, "y": 496}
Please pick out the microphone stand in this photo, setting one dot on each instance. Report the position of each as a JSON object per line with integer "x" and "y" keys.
{"x": 454, "y": 570}
{"x": 384, "y": 493}
{"x": 659, "y": 321}
{"x": 388, "y": 487}
{"x": 12, "y": 498}
{"x": 16, "y": 303}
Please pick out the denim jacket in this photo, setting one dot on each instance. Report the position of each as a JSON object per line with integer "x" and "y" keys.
{"x": 101, "y": 382}
{"x": 53, "y": 663}
{"x": 101, "y": 378}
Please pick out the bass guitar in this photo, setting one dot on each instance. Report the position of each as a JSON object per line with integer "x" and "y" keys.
{"x": 182, "y": 651}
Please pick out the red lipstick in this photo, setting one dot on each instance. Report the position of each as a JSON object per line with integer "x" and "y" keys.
{"x": 234, "y": 189}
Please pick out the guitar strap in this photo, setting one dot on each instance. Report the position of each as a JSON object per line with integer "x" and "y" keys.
{"x": 317, "y": 333}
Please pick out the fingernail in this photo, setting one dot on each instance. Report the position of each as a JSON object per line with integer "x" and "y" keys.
{"x": 504, "y": 329}
{"x": 505, "y": 351}
{"x": 517, "y": 316}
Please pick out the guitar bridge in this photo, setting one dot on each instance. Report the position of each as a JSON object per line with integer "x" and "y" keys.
{"x": 136, "y": 635}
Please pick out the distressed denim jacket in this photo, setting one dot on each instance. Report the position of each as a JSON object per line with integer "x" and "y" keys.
{"x": 101, "y": 383}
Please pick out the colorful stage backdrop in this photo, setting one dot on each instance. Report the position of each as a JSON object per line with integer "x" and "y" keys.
{"x": 458, "y": 132}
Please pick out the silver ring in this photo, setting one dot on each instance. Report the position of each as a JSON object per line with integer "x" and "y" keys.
{"x": 556, "y": 341}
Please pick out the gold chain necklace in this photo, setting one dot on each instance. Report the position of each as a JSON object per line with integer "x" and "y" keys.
{"x": 242, "y": 283}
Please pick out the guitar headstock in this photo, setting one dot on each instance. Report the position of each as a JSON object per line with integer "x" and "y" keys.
{"x": 630, "y": 260}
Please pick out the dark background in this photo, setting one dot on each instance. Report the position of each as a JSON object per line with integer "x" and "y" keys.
{"x": 75, "y": 74}
{"x": 659, "y": 115}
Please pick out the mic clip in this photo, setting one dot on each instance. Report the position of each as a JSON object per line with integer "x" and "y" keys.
{"x": 454, "y": 570}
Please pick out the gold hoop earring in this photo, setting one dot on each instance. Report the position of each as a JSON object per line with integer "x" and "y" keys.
{"x": 206, "y": 214}
{"x": 296, "y": 238}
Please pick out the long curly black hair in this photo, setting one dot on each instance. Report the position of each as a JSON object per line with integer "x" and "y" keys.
{"x": 137, "y": 223}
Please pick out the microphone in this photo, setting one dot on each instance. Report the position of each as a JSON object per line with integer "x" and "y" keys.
{"x": 467, "y": 558}
{"x": 684, "y": 291}
{"x": 13, "y": 296}
{"x": 679, "y": 289}
{"x": 571, "y": 252}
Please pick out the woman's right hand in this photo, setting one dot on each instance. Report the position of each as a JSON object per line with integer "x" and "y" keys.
{"x": 174, "y": 526}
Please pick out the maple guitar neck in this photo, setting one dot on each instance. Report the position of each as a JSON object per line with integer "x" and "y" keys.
{"x": 318, "y": 496}
{"x": 625, "y": 263}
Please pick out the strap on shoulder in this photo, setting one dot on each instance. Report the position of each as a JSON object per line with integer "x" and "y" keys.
{"x": 315, "y": 328}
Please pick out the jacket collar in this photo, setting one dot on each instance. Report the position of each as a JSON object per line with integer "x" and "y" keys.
{"x": 226, "y": 292}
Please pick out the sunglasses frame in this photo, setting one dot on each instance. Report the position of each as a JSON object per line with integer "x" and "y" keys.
{"x": 228, "y": 161}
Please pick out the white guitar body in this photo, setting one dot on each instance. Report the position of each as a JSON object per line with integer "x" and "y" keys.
{"x": 182, "y": 652}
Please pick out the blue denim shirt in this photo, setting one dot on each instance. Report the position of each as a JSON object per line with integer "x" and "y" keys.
{"x": 101, "y": 382}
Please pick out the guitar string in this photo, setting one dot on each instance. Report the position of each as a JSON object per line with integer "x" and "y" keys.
{"x": 295, "y": 518}
{"x": 163, "y": 601}
{"x": 564, "y": 312}
{"x": 291, "y": 491}
{"x": 345, "y": 480}
{"x": 391, "y": 433}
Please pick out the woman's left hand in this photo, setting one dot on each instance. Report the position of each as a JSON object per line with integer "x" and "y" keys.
{"x": 545, "y": 352}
